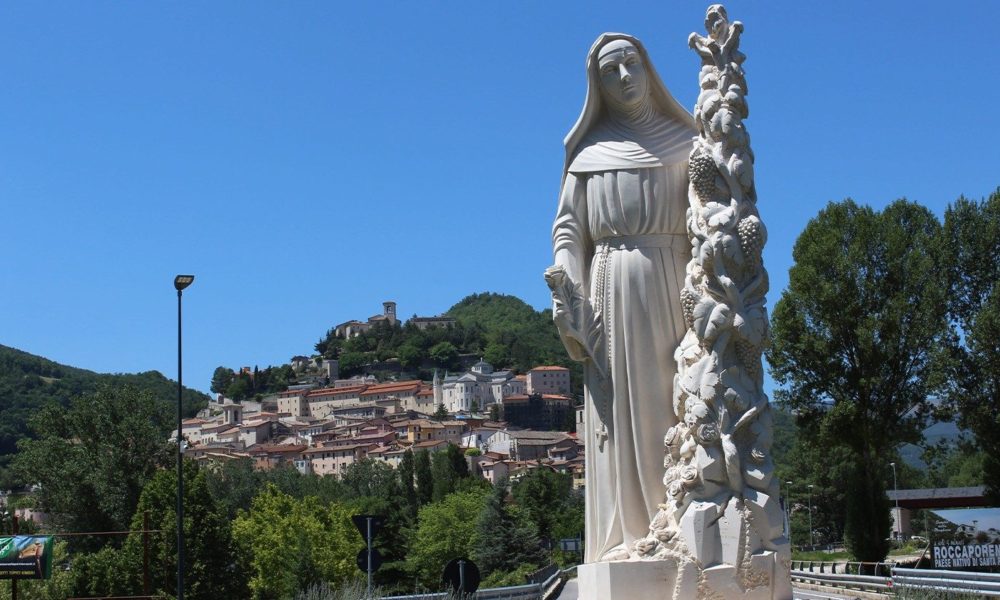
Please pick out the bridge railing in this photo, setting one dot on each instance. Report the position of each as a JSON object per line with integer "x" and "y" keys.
{"x": 884, "y": 578}
{"x": 983, "y": 584}
{"x": 549, "y": 580}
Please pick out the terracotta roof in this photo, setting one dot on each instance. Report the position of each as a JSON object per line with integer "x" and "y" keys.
{"x": 337, "y": 391}
{"x": 556, "y": 397}
{"x": 396, "y": 386}
{"x": 429, "y": 444}
{"x": 548, "y": 368}
{"x": 275, "y": 449}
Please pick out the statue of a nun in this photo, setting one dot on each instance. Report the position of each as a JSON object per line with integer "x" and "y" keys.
{"x": 621, "y": 249}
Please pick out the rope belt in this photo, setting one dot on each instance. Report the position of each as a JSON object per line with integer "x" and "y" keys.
{"x": 633, "y": 242}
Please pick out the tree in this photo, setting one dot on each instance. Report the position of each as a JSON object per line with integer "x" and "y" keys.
{"x": 444, "y": 355}
{"x": 445, "y": 530}
{"x": 290, "y": 544}
{"x": 972, "y": 241}
{"x": 542, "y": 494}
{"x": 506, "y": 540}
{"x": 221, "y": 379}
{"x": 92, "y": 461}
{"x": 448, "y": 468}
{"x": 407, "y": 479}
{"x": 857, "y": 338}
{"x": 441, "y": 413}
{"x": 425, "y": 477}
{"x": 210, "y": 566}
{"x": 233, "y": 485}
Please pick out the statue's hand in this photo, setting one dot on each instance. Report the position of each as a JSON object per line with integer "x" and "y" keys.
{"x": 567, "y": 300}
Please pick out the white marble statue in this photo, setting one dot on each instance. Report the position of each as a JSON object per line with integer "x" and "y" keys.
{"x": 659, "y": 288}
{"x": 620, "y": 249}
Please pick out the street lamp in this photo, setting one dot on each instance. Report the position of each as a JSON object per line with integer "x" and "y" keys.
{"x": 180, "y": 283}
{"x": 897, "y": 517}
{"x": 810, "y": 516}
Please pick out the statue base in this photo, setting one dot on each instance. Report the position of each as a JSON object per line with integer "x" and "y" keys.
{"x": 645, "y": 579}
{"x": 671, "y": 579}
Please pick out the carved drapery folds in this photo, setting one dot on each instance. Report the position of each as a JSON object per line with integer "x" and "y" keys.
{"x": 721, "y": 511}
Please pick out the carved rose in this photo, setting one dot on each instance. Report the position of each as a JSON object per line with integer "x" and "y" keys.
{"x": 708, "y": 433}
{"x": 689, "y": 475}
{"x": 675, "y": 490}
{"x": 671, "y": 438}
{"x": 757, "y": 455}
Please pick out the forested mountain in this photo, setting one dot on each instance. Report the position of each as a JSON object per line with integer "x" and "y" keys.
{"x": 29, "y": 382}
{"x": 503, "y": 330}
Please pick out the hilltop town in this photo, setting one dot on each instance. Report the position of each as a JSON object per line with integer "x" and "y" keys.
{"x": 504, "y": 422}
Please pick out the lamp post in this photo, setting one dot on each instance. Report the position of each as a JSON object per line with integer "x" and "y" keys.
{"x": 810, "y": 516}
{"x": 897, "y": 530}
{"x": 180, "y": 283}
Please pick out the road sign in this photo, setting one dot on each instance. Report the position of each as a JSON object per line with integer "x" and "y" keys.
{"x": 462, "y": 575}
{"x": 361, "y": 522}
{"x": 363, "y": 559}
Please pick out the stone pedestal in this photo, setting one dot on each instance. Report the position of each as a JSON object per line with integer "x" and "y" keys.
{"x": 647, "y": 579}
{"x": 766, "y": 579}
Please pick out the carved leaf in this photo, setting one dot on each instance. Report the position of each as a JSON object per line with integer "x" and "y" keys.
{"x": 710, "y": 318}
{"x": 701, "y": 377}
{"x": 731, "y": 248}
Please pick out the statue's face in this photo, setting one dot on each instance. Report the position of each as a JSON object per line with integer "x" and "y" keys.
{"x": 623, "y": 76}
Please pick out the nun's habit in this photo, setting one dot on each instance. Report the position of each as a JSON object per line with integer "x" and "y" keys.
{"x": 620, "y": 232}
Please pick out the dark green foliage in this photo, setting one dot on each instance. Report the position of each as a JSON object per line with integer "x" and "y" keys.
{"x": 93, "y": 460}
{"x": 506, "y": 539}
{"x": 407, "y": 482}
{"x": 514, "y": 335}
{"x": 29, "y": 382}
{"x": 233, "y": 485}
{"x": 447, "y": 469}
{"x": 444, "y": 355}
{"x": 222, "y": 378}
{"x": 441, "y": 413}
{"x": 504, "y": 330}
{"x": 244, "y": 385}
{"x": 373, "y": 488}
{"x": 210, "y": 571}
{"x": 867, "y": 523}
{"x": 972, "y": 242}
{"x": 548, "y": 499}
{"x": 859, "y": 338}
{"x": 425, "y": 477}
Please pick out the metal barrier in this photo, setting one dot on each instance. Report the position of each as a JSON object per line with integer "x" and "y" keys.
{"x": 530, "y": 591}
{"x": 984, "y": 584}
{"x": 884, "y": 578}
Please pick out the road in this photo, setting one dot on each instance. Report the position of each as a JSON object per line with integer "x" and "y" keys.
{"x": 570, "y": 592}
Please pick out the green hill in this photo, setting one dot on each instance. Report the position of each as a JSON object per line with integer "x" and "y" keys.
{"x": 28, "y": 382}
{"x": 504, "y": 330}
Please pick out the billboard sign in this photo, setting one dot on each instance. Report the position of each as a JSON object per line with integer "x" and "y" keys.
{"x": 967, "y": 538}
{"x": 26, "y": 557}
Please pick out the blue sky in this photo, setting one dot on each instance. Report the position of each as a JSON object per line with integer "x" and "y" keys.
{"x": 308, "y": 160}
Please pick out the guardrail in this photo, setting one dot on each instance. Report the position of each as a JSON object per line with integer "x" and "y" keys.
{"x": 984, "y": 584}
{"x": 531, "y": 591}
{"x": 884, "y": 578}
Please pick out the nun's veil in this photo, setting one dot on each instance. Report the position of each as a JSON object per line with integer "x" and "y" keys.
{"x": 597, "y": 144}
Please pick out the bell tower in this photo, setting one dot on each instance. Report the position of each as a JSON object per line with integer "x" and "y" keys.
{"x": 389, "y": 310}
